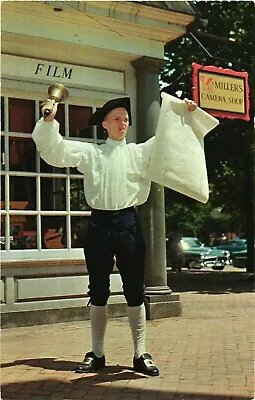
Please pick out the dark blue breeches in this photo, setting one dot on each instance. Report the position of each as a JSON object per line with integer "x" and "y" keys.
{"x": 115, "y": 233}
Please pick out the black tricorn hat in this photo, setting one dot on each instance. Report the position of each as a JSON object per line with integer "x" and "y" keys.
{"x": 99, "y": 115}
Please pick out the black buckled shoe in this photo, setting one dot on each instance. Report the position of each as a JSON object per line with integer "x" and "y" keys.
{"x": 145, "y": 365}
{"x": 91, "y": 363}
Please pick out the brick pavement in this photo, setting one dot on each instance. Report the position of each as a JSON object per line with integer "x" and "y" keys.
{"x": 206, "y": 354}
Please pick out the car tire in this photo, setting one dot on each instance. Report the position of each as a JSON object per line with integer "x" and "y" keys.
{"x": 194, "y": 265}
{"x": 218, "y": 267}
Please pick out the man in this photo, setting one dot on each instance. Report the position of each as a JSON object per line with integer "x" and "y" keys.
{"x": 115, "y": 182}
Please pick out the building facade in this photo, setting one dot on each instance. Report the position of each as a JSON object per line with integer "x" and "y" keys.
{"x": 98, "y": 50}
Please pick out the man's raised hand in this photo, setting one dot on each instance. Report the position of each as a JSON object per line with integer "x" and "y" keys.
{"x": 190, "y": 104}
{"x": 52, "y": 106}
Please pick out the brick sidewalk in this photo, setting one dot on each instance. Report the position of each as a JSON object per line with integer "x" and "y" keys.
{"x": 206, "y": 354}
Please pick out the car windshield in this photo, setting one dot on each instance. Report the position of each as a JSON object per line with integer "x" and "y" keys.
{"x": 188, "y": 242}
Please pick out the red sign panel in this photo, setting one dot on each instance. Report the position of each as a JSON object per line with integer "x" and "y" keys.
{"x": 221, "y": 92}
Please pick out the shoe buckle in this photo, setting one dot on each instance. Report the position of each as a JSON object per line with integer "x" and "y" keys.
{"x": 87, "y": 360}
{"x": 149, "y": 363}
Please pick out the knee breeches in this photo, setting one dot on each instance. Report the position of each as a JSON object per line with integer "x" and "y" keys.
{"x": 115, "y": 233}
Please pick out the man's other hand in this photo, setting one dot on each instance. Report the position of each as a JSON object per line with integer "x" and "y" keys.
{"x": 190, "y": 104}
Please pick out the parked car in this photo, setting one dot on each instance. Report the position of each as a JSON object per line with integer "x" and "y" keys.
{"x": 239, "y": 259}
{"x": 196, "y": 255}
{"x": 234, "y": 245}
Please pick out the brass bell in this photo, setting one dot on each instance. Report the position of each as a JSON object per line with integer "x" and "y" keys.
{"x": 57, "y": 93}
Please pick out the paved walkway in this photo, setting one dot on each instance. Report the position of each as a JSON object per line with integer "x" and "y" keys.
{"x": 206, "y": 354}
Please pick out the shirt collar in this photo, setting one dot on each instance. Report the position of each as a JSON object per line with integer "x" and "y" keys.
{"x": 115, "y": 143}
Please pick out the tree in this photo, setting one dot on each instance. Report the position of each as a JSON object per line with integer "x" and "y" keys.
{"x": 229, "y": 147}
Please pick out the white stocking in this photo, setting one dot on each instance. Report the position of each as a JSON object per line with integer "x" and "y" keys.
{"x": 137, "y": 322}
{"x": 98, "y": 319}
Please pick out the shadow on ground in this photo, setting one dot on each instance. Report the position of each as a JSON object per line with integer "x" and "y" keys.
{"x": 90, "y": 387}
{"x": 64, "y": 365}
{"x": 212, "y": 282}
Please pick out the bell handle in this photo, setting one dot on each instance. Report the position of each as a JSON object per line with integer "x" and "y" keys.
{"x": 47, "y": 112}
{"x": 57, "y": 92}
{"x": 49, "y": 109}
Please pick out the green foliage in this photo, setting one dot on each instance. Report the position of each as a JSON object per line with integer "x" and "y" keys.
{"x": 191, "y": 218}
{"x": 229, "y": 148}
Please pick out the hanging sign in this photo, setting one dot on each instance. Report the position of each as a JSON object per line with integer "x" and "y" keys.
{"x": 221, "y": 92}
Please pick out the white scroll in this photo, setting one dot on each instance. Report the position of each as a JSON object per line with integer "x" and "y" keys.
{"x": 177, "y": 158}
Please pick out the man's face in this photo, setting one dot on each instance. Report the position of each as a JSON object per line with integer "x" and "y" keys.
{"x": 116, "y": 123}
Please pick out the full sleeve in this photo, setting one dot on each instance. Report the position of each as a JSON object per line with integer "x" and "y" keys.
{"x": 55, "y": 150}
{"x": 146, "y": 151}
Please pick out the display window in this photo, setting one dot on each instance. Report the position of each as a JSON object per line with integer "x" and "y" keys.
{"x": 77, "y": 198}
{"x": 56, "y": 194}
{"x": 78, "y": 122}
{"x": 21, "y": 115}
{"x": 22, "y": 193}
{"x": 22, "y": 154}
{"x": 53, "y": 232}
{"x": 23, "y": 232}
{"x": 42, "y": 207}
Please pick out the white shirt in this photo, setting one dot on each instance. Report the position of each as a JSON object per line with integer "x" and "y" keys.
{"x": 115, "y": 173}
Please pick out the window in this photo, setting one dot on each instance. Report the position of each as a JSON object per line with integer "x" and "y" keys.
{"x": 42, "y": 207}
{"x": 78, "y": 122}
{"x": 21, "y": 115}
